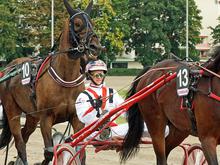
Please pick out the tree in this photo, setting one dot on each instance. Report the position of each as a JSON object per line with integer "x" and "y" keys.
{"x": 106, "y": 21}
{"x": 35, "y": 24}
{"x": 8, "y": 30}
{"x": 216, "y": 33}
{"x": 32, "y": 19}
{"x": 158, "y": 28}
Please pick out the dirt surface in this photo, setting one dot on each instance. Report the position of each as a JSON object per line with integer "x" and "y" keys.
{"x": 145, "y": 156}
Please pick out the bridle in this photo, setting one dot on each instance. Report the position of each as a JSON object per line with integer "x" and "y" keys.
{"x": 82, "y": 46}
{"x": 79, "y": 47}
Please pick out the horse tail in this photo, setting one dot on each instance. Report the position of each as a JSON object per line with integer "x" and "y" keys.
{"x": 136, "y": 126}
{"x": 5, "y": 136}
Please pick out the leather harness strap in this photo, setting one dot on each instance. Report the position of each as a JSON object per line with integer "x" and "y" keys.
{"x": 67, "y": 84}
{"x": 93, "y": 106}
{"x": 91, "y": 102}
{"x": 110, "y": 95}
{"x": 214, "y": 96}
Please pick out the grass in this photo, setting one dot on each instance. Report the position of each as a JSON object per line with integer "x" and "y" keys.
{"x": 121, "y": 119}
{"x": 122, "y": 93}
{"x": 123, "y": 72}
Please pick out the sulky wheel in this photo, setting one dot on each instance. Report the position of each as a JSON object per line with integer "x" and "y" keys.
{"x": 196, "y": 155}
{"x": 66, "y": 155}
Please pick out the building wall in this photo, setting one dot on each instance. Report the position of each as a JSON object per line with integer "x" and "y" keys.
{"x": 210, "y": 11}
{"x": 135, "y": 65}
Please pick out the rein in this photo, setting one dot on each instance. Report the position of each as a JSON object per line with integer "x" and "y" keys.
{"x": 207, "y": 70}
{"x": 209, "y": 93}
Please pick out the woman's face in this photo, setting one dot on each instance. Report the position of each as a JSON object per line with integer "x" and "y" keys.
{"x": 97, "y": 76}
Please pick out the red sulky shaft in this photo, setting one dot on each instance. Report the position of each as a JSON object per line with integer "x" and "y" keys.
{"x": 85, "y": 132}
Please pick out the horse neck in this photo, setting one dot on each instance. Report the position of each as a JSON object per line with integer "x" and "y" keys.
{"x": 66, "y": 68}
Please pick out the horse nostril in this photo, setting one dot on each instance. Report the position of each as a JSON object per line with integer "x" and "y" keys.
{"x": 96, "y": 49}
{"x": 93, "y": 47}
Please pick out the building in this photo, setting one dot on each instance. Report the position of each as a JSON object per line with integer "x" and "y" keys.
{"x": 126, "y": 61}
{"x": 210, "y": 11}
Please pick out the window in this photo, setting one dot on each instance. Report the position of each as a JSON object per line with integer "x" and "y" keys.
{"x": 120, "y": 65}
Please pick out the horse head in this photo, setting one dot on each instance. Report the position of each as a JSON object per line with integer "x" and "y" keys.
{"x": 213, "y": 63}
{"x": 84, "y": 41}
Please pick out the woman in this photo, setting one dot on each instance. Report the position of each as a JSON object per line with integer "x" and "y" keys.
{"x": 99, "y": 99}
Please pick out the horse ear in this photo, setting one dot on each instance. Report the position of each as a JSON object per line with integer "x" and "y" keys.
{"x": 89, "y": 7}
{"x": 70, "y": 10}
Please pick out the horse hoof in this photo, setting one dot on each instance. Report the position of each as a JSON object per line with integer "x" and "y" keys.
{"x": 45, "y": 162}
{"x": 37, "y": 163}
{"x": 11, "y": 163}
{"x": 19, "y": 162}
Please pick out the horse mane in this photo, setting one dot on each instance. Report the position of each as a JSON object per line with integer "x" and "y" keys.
{"x": 64, "y": 40}
{"x": 213, "y": 63}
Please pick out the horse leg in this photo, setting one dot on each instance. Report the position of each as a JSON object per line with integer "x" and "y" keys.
{"x": 209, "y": 148}
{"x": 77, "y": 125}
{"x": 46, "y": 126}
{"x": 157, "y": 133}
{"x": 13, "y": 114}
{"x": 29, "y": 127}
{"x": 174, "y": 138}
{"x": 159, "y": 148}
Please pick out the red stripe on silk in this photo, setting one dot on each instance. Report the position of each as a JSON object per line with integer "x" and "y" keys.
{"x": 104, "y": 95}
{"x": 88, "y": 111}
{"x": 93, "y": 92}
{"x": 113, "y": 124}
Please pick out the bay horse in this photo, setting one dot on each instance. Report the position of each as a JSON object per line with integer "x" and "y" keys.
{"x": 56, "y": 89}
{"x": 162, "y": 108}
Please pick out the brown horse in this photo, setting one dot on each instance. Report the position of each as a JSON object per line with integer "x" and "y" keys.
{"x": 56, "y": 89}
{"x": 163, "y": 107}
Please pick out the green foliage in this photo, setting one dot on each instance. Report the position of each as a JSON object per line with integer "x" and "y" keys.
{"x": 8, "y": 30}
{"x": 123, "y": 72}
{"x": 150, "y": 27}
{"x": 122, "y": 93}
{"x": 107, "y": 27}
{"x": 27, "y": 24}
{"x": 216, "y": 33}
{"x": 121, "y": 120}
{"x": 158, "y": 28}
